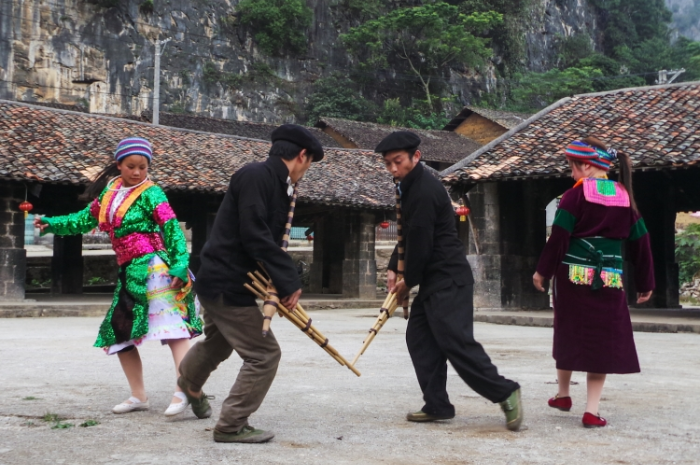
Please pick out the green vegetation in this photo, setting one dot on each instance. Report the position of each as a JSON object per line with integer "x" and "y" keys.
{"x": 636, "y": 45}
{"x": 509, "y": 36}
{"x": 426, "y": 38}
{"x": 30, "y": 398}
{"x": 688, "y": 253}
{"x": 51, "y": 417}
{"x": 96, "y": 280}
{"x": 146, "y": 6}
{"x": 336, "y": 97}
{"x": 279, "y": 26}
{"x": 258, "y": 72}
{"x": 178, "y": 108}
{"x": 88, "y": 423}
{"x": 537, "y": 90}
{"x": 58, "y": 422}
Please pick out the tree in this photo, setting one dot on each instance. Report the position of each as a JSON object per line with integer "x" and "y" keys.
{"x": 537, "y": 90}
{"x": 427, "y": 38}
{"x": 335, "y": 97}
{"x": 278, "y": 25}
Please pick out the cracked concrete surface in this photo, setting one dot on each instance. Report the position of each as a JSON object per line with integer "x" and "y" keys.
{"x": 321, "y": 413}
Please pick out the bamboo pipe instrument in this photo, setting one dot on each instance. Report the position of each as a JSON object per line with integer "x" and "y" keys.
{"x": 387, "y": 311}
{"x": 299, "y": 314}
{"x": 401, "y": 248}
{"x": 301, "y": 320}
{"x": 390, "y": 303}
{"x": 271, "y": 300}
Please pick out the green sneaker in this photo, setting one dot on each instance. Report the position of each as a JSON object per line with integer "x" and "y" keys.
{"x": 421, "y": 416}
{"x": 247, "y": 434}
{"x": 513, "y": 408}
{"x": 200, "y": 405}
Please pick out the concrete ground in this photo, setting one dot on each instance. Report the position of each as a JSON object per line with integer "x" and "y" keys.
{"x": 323, "y": 414}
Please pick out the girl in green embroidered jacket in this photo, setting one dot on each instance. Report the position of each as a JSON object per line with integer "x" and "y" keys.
{"x": 152, "y": 299}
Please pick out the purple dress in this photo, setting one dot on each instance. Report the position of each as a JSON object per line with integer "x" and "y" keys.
{"x": 592, "y": 328}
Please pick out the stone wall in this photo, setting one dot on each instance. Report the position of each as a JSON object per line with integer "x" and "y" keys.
{"x": 12, "y": 253}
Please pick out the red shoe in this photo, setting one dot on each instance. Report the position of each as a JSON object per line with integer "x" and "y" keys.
{"x": 562, "y": 403}
{"x": 593, "y": 421}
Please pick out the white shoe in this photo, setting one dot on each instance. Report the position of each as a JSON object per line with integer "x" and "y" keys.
{"x": 179, "y": 407}
{"x": 132, "y": 404}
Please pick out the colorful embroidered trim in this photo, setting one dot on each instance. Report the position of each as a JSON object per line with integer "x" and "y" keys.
{"x": 163, "y": 213}
{"x": 95, "y": 209}
{"x": 605, "y": 192}
{"x": 136, "y": 245}
{"x": 108, "y": 198}
{"x": 584, "y": 275}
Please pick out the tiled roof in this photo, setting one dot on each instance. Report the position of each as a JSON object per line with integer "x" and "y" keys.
{"x": 55, "y": 146}
{"x": 657, "y": 126}
{"x": 438, "y": 146}
{"x": 507, "y": 119}
{"x": 261, "y": 131}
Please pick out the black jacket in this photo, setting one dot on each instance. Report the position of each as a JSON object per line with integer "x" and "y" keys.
{"x": 434, "y": 255}
{"x": 248, "y": 229}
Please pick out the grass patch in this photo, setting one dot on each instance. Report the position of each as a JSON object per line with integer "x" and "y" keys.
{"x": 51, "y": 417}
{"x": 88, "y": 423}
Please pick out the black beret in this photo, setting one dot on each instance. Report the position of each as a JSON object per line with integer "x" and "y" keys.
{"x": 301, "y": 136}
{"x": 399, "y": 140}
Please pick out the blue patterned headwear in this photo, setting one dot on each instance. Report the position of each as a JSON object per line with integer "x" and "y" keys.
{"x": 595, "y": 156}
{"x": 133, "y": 146}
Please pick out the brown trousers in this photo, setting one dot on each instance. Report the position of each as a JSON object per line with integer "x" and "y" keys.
{"x": 226, "y": 329}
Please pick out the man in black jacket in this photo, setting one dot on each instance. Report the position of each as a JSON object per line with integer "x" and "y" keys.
{"x": 441, "y": 325}
{"x": 248, "y": 229}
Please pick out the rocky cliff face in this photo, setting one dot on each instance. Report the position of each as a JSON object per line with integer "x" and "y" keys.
{"x": 686, "y": 17}
{"x": 74, "y": 52}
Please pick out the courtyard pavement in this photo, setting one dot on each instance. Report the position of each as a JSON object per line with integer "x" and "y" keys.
{"x": 323, "y": 414}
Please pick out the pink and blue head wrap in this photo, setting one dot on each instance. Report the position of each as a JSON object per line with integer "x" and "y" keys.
{"x": 134, "y": 146}
{"x": 595, "y": 156}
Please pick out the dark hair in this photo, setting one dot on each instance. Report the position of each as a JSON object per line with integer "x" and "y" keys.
{"x": 625, "y": 177}
{"x": 95, "y": 188}
{"x": 286, "y": 150}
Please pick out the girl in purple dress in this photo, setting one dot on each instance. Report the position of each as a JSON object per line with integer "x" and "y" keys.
{"x": 592, "y": 326}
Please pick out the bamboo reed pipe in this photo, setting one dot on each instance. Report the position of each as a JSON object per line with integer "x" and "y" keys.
{"x": 299, "y": 325}
{"x": 301, "y": 322}
{"x": 387, "y": 311}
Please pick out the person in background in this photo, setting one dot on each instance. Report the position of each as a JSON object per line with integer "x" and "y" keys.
{"x": 592, "y": 326}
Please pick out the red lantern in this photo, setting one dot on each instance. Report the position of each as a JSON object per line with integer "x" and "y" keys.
{"x": 462, "y": 211}
{"x": 384, "y": 224}
{"x": 26, "y": 207}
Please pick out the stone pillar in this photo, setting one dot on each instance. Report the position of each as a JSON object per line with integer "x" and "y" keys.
{"x": 510, "y": 232}
{"x": 486, "y": 263}
{"x": 67, "y": 265}
{"x": 13, "y": 257}
{"x": 359, "y": 265}
{"x": 334, "y": 252}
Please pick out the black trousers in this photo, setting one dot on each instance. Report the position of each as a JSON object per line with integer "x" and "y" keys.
{"x": 441, "y": 328}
